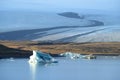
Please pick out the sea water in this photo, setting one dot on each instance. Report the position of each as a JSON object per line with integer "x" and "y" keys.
{"x": 102, "y": 68}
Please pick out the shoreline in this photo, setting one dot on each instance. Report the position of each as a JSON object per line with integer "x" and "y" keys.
{"x": 53, "y": 55}
{"x": 23, "y": 49}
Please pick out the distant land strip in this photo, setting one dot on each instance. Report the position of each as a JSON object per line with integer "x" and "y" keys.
{"x": 23, "y": 49}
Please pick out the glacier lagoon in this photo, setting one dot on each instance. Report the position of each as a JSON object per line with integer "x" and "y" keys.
{"x": 102, "y": 68}
{"x": 49, "y": 26}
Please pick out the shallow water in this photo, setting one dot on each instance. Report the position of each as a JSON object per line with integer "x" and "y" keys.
{"x": 102, "y": 68}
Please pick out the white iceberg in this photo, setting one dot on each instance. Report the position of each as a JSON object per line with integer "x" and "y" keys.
{"x": 39, "y": 56}
{"x": 77, "y": 55}
{"x": 90, "y": 56}
{"x": 71, "y": 55}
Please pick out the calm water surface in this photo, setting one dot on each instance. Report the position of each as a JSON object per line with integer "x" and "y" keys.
{"x": 102, "y": 68}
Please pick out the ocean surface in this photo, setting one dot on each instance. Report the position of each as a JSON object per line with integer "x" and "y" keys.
{"x": 102, "y": 68}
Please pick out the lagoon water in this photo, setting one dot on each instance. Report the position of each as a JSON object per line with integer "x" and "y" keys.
{"x": 102, "y": 68}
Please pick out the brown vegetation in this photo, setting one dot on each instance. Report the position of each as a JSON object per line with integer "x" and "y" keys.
{"x": 56, "y": 48}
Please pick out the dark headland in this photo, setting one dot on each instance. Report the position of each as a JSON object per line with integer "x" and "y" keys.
{"x": 23, "y": 49}
{"x": 71, "y": 15}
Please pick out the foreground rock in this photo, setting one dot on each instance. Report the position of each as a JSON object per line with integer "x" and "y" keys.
{"x": 6, "y": 52}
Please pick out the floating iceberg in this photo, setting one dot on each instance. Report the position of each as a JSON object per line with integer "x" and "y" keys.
{"x": 77, "y": 55}
{"x": 39, "y": 56}
{"x": 71, "y": 55}
{"x": 89, "y": 56}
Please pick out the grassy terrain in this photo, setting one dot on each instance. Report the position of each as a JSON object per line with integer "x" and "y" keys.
{"x": 24, "y": 48}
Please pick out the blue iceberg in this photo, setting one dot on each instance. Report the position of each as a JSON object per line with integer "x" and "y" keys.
{"x": 39, "y": 56}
